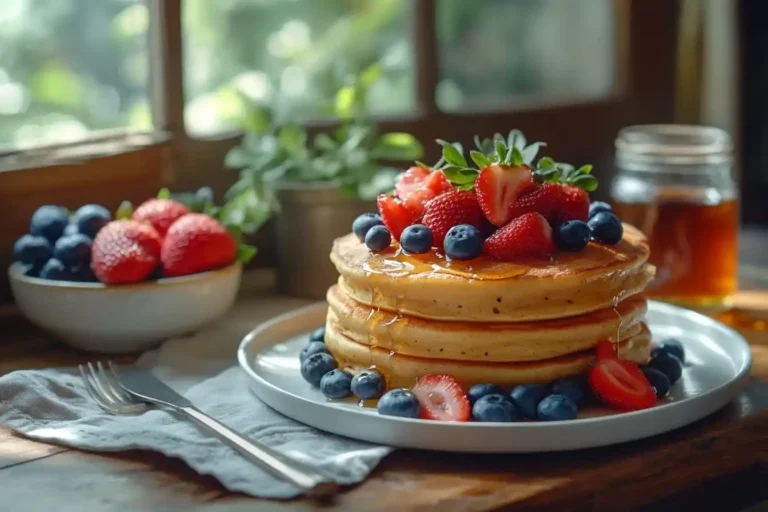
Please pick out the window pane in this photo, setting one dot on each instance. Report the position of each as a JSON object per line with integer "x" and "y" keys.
{"x": 494, "y": 53}
{"x": 293, "y": 54}
{"x": 71, "y": 67}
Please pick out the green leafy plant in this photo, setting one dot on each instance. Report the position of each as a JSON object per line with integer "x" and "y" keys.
{"x": 274, "y": 150}
{"x": 512, "y": 150}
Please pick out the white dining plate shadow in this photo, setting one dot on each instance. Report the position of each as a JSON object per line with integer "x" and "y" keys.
{"x": 718, "y": 360}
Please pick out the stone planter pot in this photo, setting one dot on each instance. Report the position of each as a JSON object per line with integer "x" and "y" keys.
{"x": 311, "y": 216}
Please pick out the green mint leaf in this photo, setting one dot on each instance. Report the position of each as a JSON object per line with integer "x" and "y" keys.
{"x": 517, "y": 157}
{"x": 501, "y": 150}
{"x": 530, "y": 152}
{"x": 546, "y": 163}
{"x": 124, "y": 211}
{"x": 452, "y": 154}
{"x": 164, "y": 193}
{"x": 245, "y": 253}
{"x": 459, "y": 175}
{"x": 516, "y": 139}
{"x": 586, "y": 182}
{"x": 480, "y": 159}
{"x": 586, "y": 169}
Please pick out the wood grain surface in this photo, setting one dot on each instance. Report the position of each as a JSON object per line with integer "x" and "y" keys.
{"x": 720, "y": 463}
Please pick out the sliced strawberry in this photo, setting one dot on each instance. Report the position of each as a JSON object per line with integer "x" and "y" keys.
{"x": 451, "y": 209}
{"x": 498, "y": 187}
{"x": 395, "y": 215}
{"x": 415, "y": 188}
{"x": 558, "y": 203}
{"x": 606, "y": 349}
{"x": 527, "y": 236}
{"x": 621, "y": 384}
{"x": 410, "y": 180}
{"x": 442, "y": 398}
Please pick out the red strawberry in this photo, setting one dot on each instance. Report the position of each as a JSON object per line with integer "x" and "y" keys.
{"x": 161, "y": 213}
{"x": 125, "y": 251}
{"x": 451, "y": 209}
{"x": 606, "y": 349}
{"x": 498, "y": 187}
{"x": 621, "y": 384}
{"x": 418, "y": 185}
{"x": 196, "y": 243}
{"x": 558, "y": 203}
{"x": 527, "y": 236}
{"x": 441, "y": 398}
{"x": 395, "y": 215}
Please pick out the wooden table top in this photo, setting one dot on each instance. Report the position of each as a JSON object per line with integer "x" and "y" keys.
{"x": 719, "y": 463}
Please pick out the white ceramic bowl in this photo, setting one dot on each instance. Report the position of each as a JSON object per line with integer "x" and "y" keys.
{"x": 126, "y": 318}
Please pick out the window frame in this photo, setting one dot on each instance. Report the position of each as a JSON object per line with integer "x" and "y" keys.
{"x": 137, "y": 167}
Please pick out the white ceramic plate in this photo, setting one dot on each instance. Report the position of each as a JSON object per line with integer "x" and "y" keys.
{"x": 717, "y": 365}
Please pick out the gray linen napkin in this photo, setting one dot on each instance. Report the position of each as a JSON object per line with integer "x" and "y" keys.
{"x": 52, "y": 405}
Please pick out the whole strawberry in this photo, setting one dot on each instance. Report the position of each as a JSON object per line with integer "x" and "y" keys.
{"x": 160, "y": 213}
{"x": 527, "y": 236}
{"x": 451, "y": 209}
{"x": 196, "y": 243}
{"x": 558, "y": 203}
{"x": 125, "y": 251}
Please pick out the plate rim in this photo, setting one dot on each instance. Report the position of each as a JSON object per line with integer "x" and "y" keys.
{"x": 736, "y": 382}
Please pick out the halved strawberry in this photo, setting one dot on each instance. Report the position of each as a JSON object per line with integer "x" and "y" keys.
{"x": 442, "y": 398}
{"x": 527, "y": 236}
{"x": 557, "y": 203}
{"x": 620, "y": 384}
{"x": 498, "y": 186}
{"x": 606, "y": 349}
{"x": 410, "y": 180}
{"x": 395, "y": 215}
{"x": 417, "y": 185}
{"x": 451, "y": 209}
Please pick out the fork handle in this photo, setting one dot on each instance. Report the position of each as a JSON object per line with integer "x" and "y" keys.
{"x": 305, "y": 478}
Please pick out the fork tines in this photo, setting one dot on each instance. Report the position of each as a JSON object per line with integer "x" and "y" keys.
{"x": 103, "y": 385}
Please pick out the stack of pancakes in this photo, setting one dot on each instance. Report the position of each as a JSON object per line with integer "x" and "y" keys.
{"x": 486, "y": 321}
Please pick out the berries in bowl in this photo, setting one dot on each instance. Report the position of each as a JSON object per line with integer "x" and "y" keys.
{"x": 123, "y": 284}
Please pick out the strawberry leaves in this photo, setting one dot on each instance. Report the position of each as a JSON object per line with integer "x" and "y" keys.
{"x": 547, "y": 170}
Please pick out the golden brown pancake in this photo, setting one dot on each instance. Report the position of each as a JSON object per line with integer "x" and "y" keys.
{"x": 482, "y": 290}
{"x": 402, "y": 371}
{"x": 481, "y": 341}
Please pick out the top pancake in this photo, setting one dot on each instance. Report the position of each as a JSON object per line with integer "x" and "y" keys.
{"x": 482, "y": 290}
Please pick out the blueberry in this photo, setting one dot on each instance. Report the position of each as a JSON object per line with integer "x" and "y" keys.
{"x": 494, "y": 407}
{"x": 91, "y": 218}
{"x": 368, "y": 384}
{"x": 315, "y": 366}
{"x": 33, "y": 270}
{"x": 84, "y": 274}
{"x": 71, "y": 229}
{"x": 49, "y": 222}
{"x": 73, "y": 250}
{"x": 670, "y": 346}
{"x": 599, "y": 206}
{"x": 416, "y": 239}
{"x": 557, "y": 408}
{"x": 362, "y": 224}
{"x": 572, "y": 387}
{"x": 378, "y": 238}
{"x": 572, "y": 235}
{"x": 463, "y": 242}
{"x": 313, "y": 347}
{"x": 318, "y": 334}
{"x": 526, "y": 398}
{"x": 478, "y": 391}
{"x": 32, "y": 250}
{"x": 56, "y": 270}
{"x": 399, "y": 402}
{"x": 336, "y": 384}
{"x": 659, "y": 382}
{"x": 669, "y": 365}
{"x": 606, "y": 228}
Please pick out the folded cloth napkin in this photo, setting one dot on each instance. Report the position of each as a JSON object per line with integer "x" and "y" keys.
{"x": 52, "y": 405}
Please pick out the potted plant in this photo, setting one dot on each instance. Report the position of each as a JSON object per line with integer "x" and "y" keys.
{"x": 314, "y": 187}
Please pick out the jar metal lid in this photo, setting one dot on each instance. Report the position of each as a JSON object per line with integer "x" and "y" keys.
{"x": 673, "y": 144}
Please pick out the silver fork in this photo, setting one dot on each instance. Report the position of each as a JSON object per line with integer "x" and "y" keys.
{"x": 103, "y": 384}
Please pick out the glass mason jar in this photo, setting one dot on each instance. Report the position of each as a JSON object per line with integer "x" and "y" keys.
{"x": 675, "y": 183}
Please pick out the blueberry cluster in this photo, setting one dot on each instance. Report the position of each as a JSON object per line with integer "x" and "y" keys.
{"x": 603, "y": 227}
{"x": 320, "y": 369}
{"x": 58, "y": 245}
{"x": 557, "y": 402}
{"x": 666, "y": 366}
